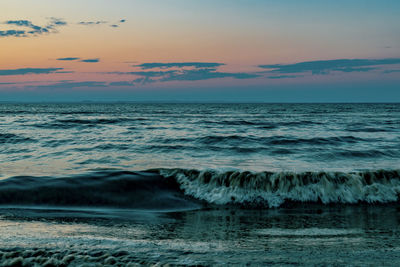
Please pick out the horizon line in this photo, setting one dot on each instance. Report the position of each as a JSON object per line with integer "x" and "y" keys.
{"x": 189, "y": 102}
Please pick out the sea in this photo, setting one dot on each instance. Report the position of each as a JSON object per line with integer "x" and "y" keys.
{"x": 129, "y": 184}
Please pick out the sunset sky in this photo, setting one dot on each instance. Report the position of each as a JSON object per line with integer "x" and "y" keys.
{"x": 208, "y": 50}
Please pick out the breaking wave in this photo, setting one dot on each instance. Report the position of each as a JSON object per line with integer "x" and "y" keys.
{"x": 184, "y": 189}
{"x": 268, "y": 189}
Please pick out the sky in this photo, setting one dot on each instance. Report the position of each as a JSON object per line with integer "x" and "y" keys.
{"x": 200, "y": 51}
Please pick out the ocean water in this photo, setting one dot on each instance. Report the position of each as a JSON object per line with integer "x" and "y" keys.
{"x": 199, "y": 184}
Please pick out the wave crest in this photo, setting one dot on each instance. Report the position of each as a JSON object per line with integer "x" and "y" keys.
{"x": 273, "y": 189}
{"x": 183, "y": 189}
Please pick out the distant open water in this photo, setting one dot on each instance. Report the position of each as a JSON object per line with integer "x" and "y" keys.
{"x": 132, "y": 171}
{"x": 48, "y": 139}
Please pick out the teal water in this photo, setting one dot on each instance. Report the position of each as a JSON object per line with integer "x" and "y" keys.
{"x": 199, "y": 184}
{"x": 62, "y": 139}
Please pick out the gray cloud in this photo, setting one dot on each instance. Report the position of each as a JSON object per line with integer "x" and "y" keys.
{"x": 29, "y": 82}
{"x": 99, "y": 22}
{"x": 183, "y": 71}
{"x": 143, "y": 80}
{"x": 354, "y": 69}
{"x": 326, "y": 66}
{"x": 25, "y": 23}
{"x": 67, "y": 84}
{"x": 91, "y": 23}
{"x": 121, "y": 83}
{"x": 30, "y": 29}
{"x": 186, "y": 71}
{"x": 7, "y": 83}
{"x": 25, "y": 71}
{"x": 145, "y": 73}
{"x": 179, "y": 65}
{"x": 205, "y": 74}
{"x": 25, "y": 28}
{"x": 68, "y": 58}
{"x": 285, "y": 76}
{"x": 56, "y": 22}
{"x": 91, "y": 60}
{"x": 70, "y": 85}
{"x": 64, "y": 71}
{"x": 390, "y": 71}
{"x": 14, "y": 33}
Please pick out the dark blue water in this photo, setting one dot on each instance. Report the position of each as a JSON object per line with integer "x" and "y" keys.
{"x": 60, "y": 139}
{"x": 193, "y": 184}
{"x": 264, "y": 154}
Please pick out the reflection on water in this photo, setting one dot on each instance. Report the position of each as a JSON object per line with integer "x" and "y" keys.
{"x": 353, "y": 234}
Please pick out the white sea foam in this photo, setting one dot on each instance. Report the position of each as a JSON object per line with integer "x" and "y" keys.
{"x": 307, "y": 232}
{"x": 273, "y": 189}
